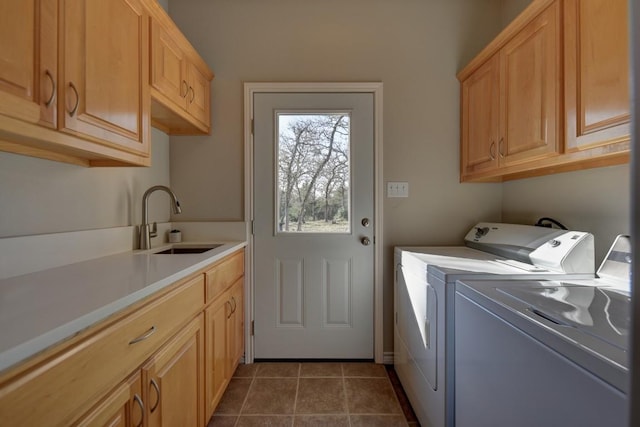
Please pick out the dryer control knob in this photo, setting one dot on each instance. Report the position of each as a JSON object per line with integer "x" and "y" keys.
{"x": 481, "y": 231}
{"x": 554, "y": 243}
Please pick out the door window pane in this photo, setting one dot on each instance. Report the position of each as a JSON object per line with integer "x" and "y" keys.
{"x": 313, "y": 182}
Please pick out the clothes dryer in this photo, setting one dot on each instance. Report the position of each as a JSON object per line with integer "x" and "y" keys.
{"x": 424, "y": 298}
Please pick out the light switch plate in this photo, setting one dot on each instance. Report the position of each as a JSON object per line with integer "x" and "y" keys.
{"x": 397, "y": 189}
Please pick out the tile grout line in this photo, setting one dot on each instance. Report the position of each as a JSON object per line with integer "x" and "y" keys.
{"x": 346, "y": 398}
{"x": 295, "y": 399}
{"x": 244, "y": 402}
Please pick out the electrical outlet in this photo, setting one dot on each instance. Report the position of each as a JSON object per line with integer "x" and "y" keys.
{"x": 397, "y": 189}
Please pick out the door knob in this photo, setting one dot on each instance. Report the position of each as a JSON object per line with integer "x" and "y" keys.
{"x": 365, "y": 241}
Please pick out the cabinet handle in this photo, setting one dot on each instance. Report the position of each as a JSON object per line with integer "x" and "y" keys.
{"x": 184, "y": 88}
{"x": 144, "y": 336}
{"x": 193, "y": 95}
{"x": 492, "y": 148}
{"x": 138, "y": 400}
{"x": 53, "y": 88}
{"x": 75, "y": 107}
{"x": 154, "y": 384}
{"x": 500, "y": 144}
{"x": 235, "y": 305}
{"x": 231, "y": 309}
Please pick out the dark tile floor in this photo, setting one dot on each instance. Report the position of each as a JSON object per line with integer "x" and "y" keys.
{"x": 314, "y": 394}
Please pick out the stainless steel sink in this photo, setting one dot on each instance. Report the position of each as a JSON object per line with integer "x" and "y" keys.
{"x": 187, "y": 250}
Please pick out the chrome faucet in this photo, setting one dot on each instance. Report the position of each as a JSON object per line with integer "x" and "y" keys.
{"x": 146, "y": 233}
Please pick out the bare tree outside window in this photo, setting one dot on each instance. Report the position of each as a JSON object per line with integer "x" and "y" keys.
{"x": 313, "y": 172}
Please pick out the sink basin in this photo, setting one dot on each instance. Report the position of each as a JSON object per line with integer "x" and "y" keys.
{"x": 187, "y": 250}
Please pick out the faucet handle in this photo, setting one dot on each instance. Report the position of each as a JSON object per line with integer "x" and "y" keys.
{"x": 154, "y": 230}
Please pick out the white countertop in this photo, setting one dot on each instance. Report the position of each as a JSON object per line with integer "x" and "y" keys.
{"x": 39, "y": 310}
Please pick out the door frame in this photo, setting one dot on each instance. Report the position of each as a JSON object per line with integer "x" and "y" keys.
{"x": 375, "y": 88}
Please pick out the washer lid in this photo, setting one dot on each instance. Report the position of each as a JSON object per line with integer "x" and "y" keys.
{"x": 604, "y": 313}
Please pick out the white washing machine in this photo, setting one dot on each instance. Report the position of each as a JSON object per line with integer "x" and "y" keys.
{"x": 538, "y": 353}
{"x": 424, "y": 298}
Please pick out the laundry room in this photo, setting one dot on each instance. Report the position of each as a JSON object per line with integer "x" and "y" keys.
{"x": 83, "y": 178}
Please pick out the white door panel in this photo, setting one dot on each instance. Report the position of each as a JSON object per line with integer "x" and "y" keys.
{"x": 313, "y": 288}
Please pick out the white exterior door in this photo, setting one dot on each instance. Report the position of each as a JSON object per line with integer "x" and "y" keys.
{"x": 313, "y": 225}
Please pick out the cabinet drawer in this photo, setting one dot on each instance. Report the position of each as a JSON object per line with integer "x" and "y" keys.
{"x": 223, "y": 274}
{"x": 66, "y": 385}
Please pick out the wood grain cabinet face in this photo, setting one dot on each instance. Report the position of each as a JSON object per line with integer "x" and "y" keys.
{"x": 597, "y": 99}
{"x": 217, "y": 374}
{"x": 224, "y": 326}
{"x": 510, "y": 105}
{"x": 104, "y": 91}
{"x": 123, "y": 407}
{"x": 198, "y": 98}
{"x": 480, "y": 118}
{"x": 174, "y": 382}
{"x": 28, "y": 63}
{"x": 168, "y": 66}
{"x": 531, "y": 88}
{"x": 180, "y": 80}
{"x": 236, "y": 329}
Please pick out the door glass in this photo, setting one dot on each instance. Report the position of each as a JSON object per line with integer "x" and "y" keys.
{"x": 313, "y": 179}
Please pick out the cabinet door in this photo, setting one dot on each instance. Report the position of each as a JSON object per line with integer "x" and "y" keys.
{"x": 168, "y": 66}
{"x": 530, "y": 92}
{"x": 105, "y": 73}
{"x": 173, "y": 380}
{"x": 28, "y": 63}
{"x": 237, "y": 325}
{"x": 217, "y": 373}
{"x": 480, "y": 114}
{"x": 597, "y": 100}
{"x": 122, "y": 407}
{"x": 198, "y": 99}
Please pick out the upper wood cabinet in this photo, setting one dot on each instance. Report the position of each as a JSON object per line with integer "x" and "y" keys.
{"x": 180, "y": 80}
{"x": 480, "y": 109}
{"x": 555, "y": 48}
{"x": 531, "y": 90}
{"x": 73, "y": 81}
{"x": 510, "y": 102}
{"x": 597, "y": 102}
{"x": 29, "y": 60}
{"x": 76, "y": 83}
{"x": 104, "y": 91}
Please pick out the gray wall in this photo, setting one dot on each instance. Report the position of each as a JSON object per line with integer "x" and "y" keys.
{"x": 594, "y": 200}
{"x": 41, "y": 196}
{"x": 414, "y": 47}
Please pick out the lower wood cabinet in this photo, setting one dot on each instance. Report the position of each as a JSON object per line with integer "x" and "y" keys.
{"x": 166, "y": 362}
{"x": 225, "y": 342}
{"x": 122, "y": 407}
{"x": 174, "y": 382}
{"x": 217, "y": 374}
